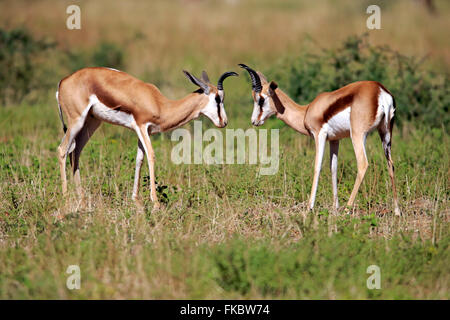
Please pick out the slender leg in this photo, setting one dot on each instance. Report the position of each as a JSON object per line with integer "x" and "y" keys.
{"x": 81, "y": 139}
{"x": 143, "y": 134}
{"x": 62, "y": 155}
{"x": 386, "y": 141}
{"x": 320, "y": 141}
{"x": 334, "y": 149}
{"x": 359, "y": 141}
{"x": 62, "y": 152}
{"x": 137, "y": 172}
{"x": 68, "y": 145}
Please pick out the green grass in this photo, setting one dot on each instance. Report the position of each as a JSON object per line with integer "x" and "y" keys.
{"x": 223, "y": 232}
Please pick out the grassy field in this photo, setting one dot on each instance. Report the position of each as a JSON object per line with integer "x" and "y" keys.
{"x": 223, "y": 231}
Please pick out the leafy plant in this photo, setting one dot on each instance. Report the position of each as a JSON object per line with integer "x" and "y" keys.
{"x": 105, "y": 54}
{"x": 20, "y": 64}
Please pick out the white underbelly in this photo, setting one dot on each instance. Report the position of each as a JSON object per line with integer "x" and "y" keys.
{"x": 104, "y": 113}
{"x": 339, "y": 125}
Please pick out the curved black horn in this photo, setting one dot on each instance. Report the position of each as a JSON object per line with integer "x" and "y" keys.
{"x": 256, "y": 81}
{"x": 223, "y": 77}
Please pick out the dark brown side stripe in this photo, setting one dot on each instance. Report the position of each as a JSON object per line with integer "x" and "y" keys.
{"x": 337, "y": 106}
{"x": 277, "y": 102}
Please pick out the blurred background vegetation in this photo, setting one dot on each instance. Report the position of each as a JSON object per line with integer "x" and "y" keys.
{"x": 304, "y": 45}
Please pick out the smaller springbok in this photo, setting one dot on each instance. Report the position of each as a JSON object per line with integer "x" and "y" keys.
{"x": 351, "y": 111}
{"x": 91, "y": 96}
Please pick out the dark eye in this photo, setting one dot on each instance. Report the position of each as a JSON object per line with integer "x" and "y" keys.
{"x": 217, "y": 99}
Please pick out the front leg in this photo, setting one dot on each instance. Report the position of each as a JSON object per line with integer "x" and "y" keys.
{"x": 334, "y": 149}
{"x": 144, "y": 137}
{"x": 137, "y": 172}
{"x": 320, "y": 139}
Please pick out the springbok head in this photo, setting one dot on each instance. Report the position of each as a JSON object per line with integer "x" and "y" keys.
{"x": 263, "y": 93}
{"x": 214, "y": 109}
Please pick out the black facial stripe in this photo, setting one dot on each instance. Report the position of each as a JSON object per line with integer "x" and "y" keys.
{"x": 218, "y": 106}
{"x": 261, "y": 101}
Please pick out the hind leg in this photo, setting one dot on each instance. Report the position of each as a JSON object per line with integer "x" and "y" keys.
{"x": 386, "y": 138}
{"x": 63, "y": 149}
{"x": 91, "y": 124}
{"x": 68, "y": 145}
{"x": 359, "y": 141}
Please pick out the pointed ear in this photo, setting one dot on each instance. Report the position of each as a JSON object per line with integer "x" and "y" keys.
{"x": 197, "y": 82}
{"x": 205, "y": 77}
{"x": 272, "y": 86}
{"x": 262, "y": 78}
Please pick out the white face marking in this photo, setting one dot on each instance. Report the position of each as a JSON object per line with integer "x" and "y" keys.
{"x": 261, "y": 113}
{"x": 212, "y": 112}
{"x": 107, "y": 114}
{"x": 338, "y": 126}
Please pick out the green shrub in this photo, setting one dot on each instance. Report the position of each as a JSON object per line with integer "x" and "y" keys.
{"x": 30, "y": 68}
{"x": 21, "y": 70}
{"x": 106, "y": 54}
{"x": 421, "y": 94}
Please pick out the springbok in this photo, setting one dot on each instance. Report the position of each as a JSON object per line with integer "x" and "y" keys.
{"x": 351, "y": 111}
{"x": 93, "y": 95}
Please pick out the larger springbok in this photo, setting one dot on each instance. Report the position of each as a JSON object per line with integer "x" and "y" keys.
{"x": 351, "y": 111}
{"x": 91, "y": 96}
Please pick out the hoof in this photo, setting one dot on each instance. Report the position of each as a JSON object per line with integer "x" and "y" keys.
{"x": 138, "y": 203}
{"x": 156, "y": 206}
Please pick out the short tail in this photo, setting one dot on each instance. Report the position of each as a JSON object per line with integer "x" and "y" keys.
{"x": 60, "y": 111}
{"x": 387, "y": 101}
{"x": 392, "y": 116}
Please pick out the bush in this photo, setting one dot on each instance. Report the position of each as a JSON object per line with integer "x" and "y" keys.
{"x": 31, "y": 67}
{"x": 421, "y": 94}
{"x": 106, "y": 54}
{"x": 21, "y": 56}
